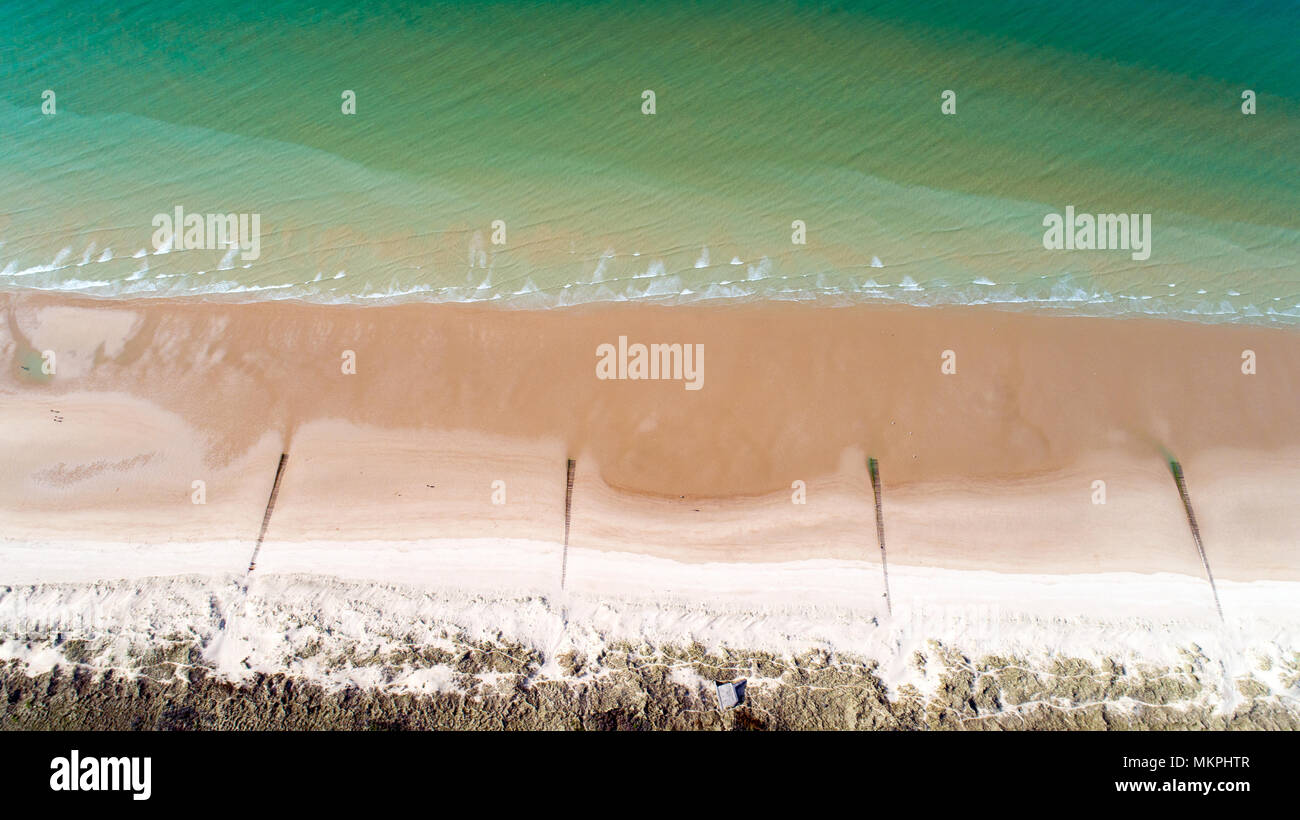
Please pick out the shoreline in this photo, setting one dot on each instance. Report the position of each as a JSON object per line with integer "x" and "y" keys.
{"x": 600, "y": 297}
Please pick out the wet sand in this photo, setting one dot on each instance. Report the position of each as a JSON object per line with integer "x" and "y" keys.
{"x": 988, "y": 468}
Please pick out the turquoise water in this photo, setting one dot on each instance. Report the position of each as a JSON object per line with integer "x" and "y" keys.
{"x": 766, "y": 113}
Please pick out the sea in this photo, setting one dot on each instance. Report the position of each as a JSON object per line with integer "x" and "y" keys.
{"x": 549, "y": 154}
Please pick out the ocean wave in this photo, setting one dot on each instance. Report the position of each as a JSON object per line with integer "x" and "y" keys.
{"x": 671, "y": 290}
{"x": 655, "y": 281}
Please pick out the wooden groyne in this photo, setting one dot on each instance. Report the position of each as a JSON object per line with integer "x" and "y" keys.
{"x": 270, "y": 508}
{"x": 873, "y": 467}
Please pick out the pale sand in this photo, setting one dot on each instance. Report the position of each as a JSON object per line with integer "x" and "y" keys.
{"x": 989, "y": 469}
{"x": 682, "y": 521}
{"x": 681, "y": 499}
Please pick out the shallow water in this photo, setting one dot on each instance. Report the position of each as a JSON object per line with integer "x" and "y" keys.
{"x": 766, "y": 113}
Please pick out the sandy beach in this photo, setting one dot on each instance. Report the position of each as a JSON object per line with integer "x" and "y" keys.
{"x": 438, "y": 468}
{"x": 991, "y": 467}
